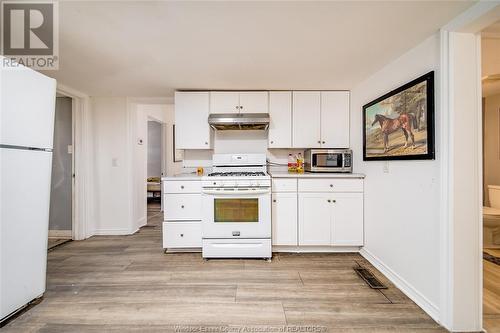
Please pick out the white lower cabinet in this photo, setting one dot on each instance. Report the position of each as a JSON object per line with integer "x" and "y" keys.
{"x": 347, "y": 223}
{"x": 284, "y": 218}
{"x": 181, "y": 234}
{"x": 182, "y": 206}
{"x": 319, "y": 214}
{"x": 315, "y": 219}
{"x": 182, "y": 214}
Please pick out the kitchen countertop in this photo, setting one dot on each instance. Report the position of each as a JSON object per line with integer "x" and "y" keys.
{"x": 286, "y": 174}
{"x": 183, "y": 176}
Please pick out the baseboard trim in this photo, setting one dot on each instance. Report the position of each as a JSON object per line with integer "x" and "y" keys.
{"x": 62, "y": 234}
{"x": 431, "y": 309}
{"x": 142, "y": 222}
{"x": 314, "y": 249}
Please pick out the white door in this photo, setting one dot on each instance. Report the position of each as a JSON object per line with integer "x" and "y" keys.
{"x": 191, "y": 120}
{"x": 224, "y": 102}
{"x": 27, "y": 104}
{"x": 315, "y": 216}
{"x": 306, "y": 119}
{"x": 280, "y": 125}
{"x": 25, "y": 199}
{"x": 347, "y": 224}
{"x": 335, "y": 119}
{"x": 284, "y": 218}
{"x": 254, "y": 102}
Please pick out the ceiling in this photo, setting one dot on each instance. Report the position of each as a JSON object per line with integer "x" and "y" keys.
{"x": 143, "y": 48}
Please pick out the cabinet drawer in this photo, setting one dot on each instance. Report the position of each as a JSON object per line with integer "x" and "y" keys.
{"x": 182, "y": 206}
{"x": 181, "y": 234}
{"x": 182, "y": 186}
{"x": 330, "y": 185}
{"x": 284, "y": 185}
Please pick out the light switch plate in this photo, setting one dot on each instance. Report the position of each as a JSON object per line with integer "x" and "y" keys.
{"x": 386, "y": 167}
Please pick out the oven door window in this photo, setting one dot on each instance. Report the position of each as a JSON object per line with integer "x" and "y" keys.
{"x": 236, "y": 210}
{"x": 327, "y": 160}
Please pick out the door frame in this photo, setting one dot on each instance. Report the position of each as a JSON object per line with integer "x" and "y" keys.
{"x": 82, "y": 162}
{"x": 460, "y": 103}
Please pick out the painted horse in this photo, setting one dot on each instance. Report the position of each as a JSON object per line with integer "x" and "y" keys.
{"x": 389, "y": 125}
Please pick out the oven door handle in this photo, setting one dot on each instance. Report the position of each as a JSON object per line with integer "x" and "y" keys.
{"x": 236, "y": 192}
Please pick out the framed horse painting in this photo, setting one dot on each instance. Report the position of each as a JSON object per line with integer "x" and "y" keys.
{"x": 400, "y": 124}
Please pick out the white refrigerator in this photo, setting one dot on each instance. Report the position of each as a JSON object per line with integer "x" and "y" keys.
{"x": 27, "y": 103}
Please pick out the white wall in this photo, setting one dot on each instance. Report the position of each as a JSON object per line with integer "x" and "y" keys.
{"x": 402, "y": 206}
{"x": 491, "y": 147}
{"x": 112, "y": 166}
{"x": 154, "y": 149}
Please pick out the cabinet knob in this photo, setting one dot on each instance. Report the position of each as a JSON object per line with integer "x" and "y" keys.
{"x": 329, "y": 200}
{"x": 182, "y": 235}
{"x": 319, "y": 141}
{"x": 334, "y": 201}
{"x": 274, "y": 200}
{"x": 323, "y": 142}
{"x": 241, "y": 107}
{"x": 272, "y": 142}
{"x": 331, "y": 185}
{"x": 182, "y": 206}
{"x": 237, "y": 107}
{"x": 182, "y": 186}
{"x": 206, "y": 143}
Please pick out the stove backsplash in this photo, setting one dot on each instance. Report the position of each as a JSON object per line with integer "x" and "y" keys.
{"x": 227, "y": 142}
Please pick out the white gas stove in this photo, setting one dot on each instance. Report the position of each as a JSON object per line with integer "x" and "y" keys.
{"x": 237, "y": 207}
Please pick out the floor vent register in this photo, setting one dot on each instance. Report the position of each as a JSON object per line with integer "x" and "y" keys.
{"x": 369, "y": 278}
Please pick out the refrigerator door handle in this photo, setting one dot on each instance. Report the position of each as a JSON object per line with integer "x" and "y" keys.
{"x": 25, "y": 148}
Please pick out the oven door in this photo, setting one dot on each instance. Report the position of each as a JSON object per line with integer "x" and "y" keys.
{"x": 236, "y": 213}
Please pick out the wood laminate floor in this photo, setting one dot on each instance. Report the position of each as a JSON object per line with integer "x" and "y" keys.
{"x": 127, "y": 284}
{"x": 491, "y": 294}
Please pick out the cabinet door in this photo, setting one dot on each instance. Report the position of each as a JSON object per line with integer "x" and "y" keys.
{"x": 306, "y": 119}
{"x": 315, "y": 215}
{"x": 191, "y": 126}
{"x": 224, "y": 102}
{"x": 335, "y": 119}
{"x": 254, "y": 102}
{"x": 347, "y": 222}
{"x": 284, "y": 218}
{"x": 280, "y": 126}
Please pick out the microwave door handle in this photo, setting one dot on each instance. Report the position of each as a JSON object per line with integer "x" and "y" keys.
{"x": 236, "y": 192}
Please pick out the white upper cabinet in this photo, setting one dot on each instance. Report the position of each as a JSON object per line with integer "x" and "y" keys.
{"x": 239, "y": 102}
{"x": 191, "y": 120}
{"x": 306, "y": 119}
{"x": 254, "y": 102}
{"x": 224, "y": 102}
{"x": 335, "y": 119}
{"x": 320, "y": 119}
{"x": 280, "y": 126}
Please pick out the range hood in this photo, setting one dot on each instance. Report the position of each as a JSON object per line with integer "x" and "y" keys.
{"x": 239, "y": 121}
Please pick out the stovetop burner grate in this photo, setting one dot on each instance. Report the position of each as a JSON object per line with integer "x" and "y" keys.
{"x": 237, "y": 174}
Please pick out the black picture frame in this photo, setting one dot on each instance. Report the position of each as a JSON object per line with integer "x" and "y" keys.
{"x": 429, "y": 112}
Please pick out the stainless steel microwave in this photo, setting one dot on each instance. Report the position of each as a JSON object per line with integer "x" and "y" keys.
{"x": 328, "y": 160}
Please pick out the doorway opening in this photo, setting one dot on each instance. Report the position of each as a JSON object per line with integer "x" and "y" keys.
{"x": 154, "y": 169}
{"x": 62, "y": 178}
{"x": 490, "y": 66}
